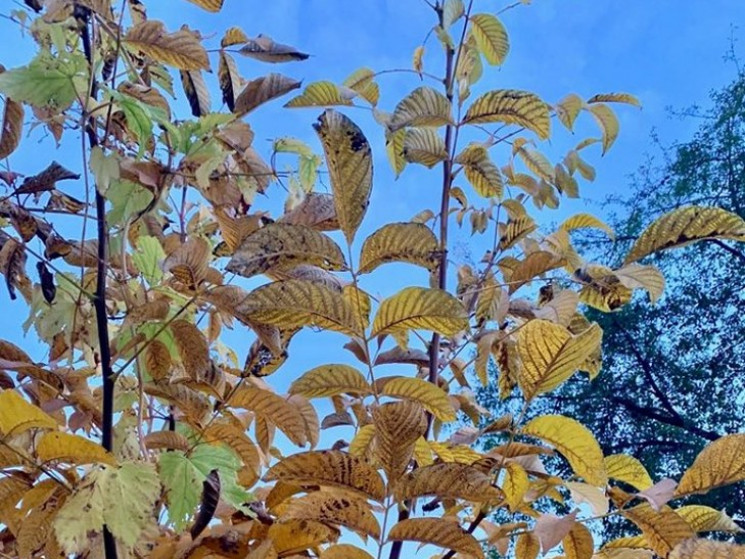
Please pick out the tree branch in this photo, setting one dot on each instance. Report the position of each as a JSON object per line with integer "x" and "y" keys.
{"x": 99, "y": 301}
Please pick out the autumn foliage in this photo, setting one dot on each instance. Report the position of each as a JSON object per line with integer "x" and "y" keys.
{"x": 140, "y": 435}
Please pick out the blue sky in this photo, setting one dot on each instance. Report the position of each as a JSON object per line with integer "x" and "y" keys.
{"x": 669, "y": 53}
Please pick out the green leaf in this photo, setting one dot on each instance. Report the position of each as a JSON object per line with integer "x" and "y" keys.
{"x": 121, "y": 497}
{"x": 147, "y": 259}
{"x": 47, "y": 81}
{"x": 182, "y": 478}
{"x": 179, "y": 478}
{"x": 105, "y": 168}
{"x": 139, "y": 119}
{"x": 127, "y": 199}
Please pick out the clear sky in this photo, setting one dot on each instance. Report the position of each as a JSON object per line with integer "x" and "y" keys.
{"x": 668, "y": 52}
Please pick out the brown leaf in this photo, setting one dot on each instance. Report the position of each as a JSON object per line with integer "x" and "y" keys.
{"x": 196, "y": 92}
{"x": 551, "y": 529}
{"x": 46, "y": 180}
{"x": 263, "y": 89}
{"x": 265, "y": 49}
{"x": 181, "y": 49}
{"x": 12, "y": 125}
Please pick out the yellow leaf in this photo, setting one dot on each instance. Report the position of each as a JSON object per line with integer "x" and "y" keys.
{"x": 480, "y": 171}
{"x": 515, "y": 485}
{"x": 344, "y": 551}
{"x": 349, "y": 161}
{"x": 584, "y": 221}
{"x": 705, "y": 549}
{"x": 332, "y": 468}
{"x": 491, "y": 37}
{"x": 295, "y": 536}
{"x": 209, "y": 5}
{"x": 685, "y": 225}
{"x": 721, "y": 462}
{"x": 335, "y": 509}
{"x": 575, "y": 442}
{"x": 424, "y": 146}
{"x": 17, "y": 415}
{"x": 320, "y": 94}
{"x": 706, "y": 519}
{"x": 534, "y": 265}
{"x": 537, "y": 163}
{"x": 437, "y": 531}
{"x": 615, "y": 98}
{"x": 608, "y": 123}
{"x": 515, "y": 230}
{"x": 233, "y": 36}
{"x": 511, "y": 107}
{"x": 360, "y": 444}
{"x": 662, "y": 529}
{"x": 362, "y": 82}
{"x": 360, "y": 303}
{"x": 273, "y": 408}
{"x": 628, "y": 470}
{"x": 295, "y": 303}
{"x": 181, "y": 49}
{"x": 416, "y": 62}
{"x": 420, "y": 308}
{"x": 568, "y": 109}
{"x": 64, "y": 447}
{"x": 261, "y": 90}
{"x": 330, "y": 380}
{"x": 447, "y": 481}
{"x": 398, "y": 425}
{"x": 422, "y": 107}
{"x": 550, "y": 354}
{"x": 394, "y": 148}
{"x": 638, "y": 276}
{"x": 400, "y": 242}
{"x": 578, "y": 543}
{"x": 432, "y": 397}
{"x": 280, "y": 245}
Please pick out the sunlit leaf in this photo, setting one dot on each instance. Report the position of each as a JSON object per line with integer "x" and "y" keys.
{"x": 433, "y": 398}
{"x": 685, "y": 225}
{"x": 422, "y": 107}
{"x": 330, "y": 380}
{"x": 550, "y": 354}
{"x": 721, "y": 462}
{"x": 420, "y": 308}
{"x": 400, "y": 242}
{"x": 662, "y": 529}
{"x": 511, "y": 107}
{"x": 575, "y": 442}
{"x": 320, "y": 94}
{"x": 491, "y": 37}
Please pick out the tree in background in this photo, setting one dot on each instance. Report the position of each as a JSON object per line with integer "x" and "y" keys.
{"x": 673, "y": 375}
{"x": 139, "y": 433}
